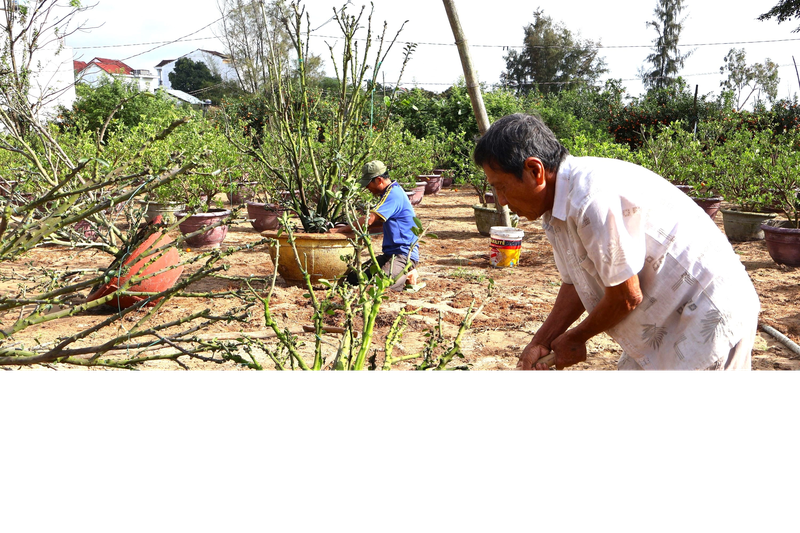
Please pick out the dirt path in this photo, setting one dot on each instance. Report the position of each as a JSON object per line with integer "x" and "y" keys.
{"x": 455, "y": 266}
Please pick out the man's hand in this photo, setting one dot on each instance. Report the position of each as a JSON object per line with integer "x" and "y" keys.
{"x": 568, "y": 351}
{"x": 345, "y": 228}
{"x": 531, "y": 354}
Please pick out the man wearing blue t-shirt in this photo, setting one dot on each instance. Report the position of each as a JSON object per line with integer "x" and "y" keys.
{"x": 397, "y": 214}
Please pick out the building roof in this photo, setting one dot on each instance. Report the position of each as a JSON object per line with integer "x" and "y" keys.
{"x": 212, "y": 52}
{"x": 184, "y": 97}
{"x": 78, "y": 66}
{"x": 112, "y": 66}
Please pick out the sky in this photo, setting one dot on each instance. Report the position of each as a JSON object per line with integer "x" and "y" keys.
{"x": 711, "y": 28}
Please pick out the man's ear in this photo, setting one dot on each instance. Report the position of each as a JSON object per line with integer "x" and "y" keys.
{"x": 535, "y": 165}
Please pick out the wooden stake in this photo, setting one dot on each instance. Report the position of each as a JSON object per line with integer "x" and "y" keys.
{"x": 473, "y": 88}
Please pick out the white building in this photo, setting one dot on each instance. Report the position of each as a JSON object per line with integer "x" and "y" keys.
{"x": 101, "y": 69}
{"x": 216, "y": 62}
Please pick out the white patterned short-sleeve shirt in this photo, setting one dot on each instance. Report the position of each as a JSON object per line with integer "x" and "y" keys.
{"x": 612, "y": 219}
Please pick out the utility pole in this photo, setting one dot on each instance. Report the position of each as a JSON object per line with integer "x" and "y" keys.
{"x": 473, "y": 87}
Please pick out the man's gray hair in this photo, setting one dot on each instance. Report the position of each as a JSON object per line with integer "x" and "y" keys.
{"x": 514, "y": 138}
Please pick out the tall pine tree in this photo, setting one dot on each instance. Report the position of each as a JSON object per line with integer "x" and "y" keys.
{"x": 666, "y": 59}
{"x": 552, "y": 59}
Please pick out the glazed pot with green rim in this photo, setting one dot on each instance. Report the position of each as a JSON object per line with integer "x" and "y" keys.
{"x": 743, "y": 226}
{"x": 487, "y": 216}
{"x": 212, "y": 237}
{"x": 322, "y": 255}
{"x": 783, "y": 242}
{"x": 167, "y": 210}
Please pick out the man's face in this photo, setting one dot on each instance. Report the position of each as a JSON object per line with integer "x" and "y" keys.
{"x": 528, "y": 197}
{"x": 376, "y": 186}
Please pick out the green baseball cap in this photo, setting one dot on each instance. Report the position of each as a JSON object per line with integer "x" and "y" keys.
{"x": 370, "y": 171}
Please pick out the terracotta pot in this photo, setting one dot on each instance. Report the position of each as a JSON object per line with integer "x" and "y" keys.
{"x": 416, "y": 194}
{"x": 783, "y": 242}
{"x": 709, "y": 205}
{"x": 686, "y": 189}
{"x": 167, "y": 210}
{"x": 446, "y": 174}
{"x": 741, "y": 226}
{"x": 320, "y": 253}
{"x": 209, "y": 239}
{"x": 489, "y": 197}
{"x": 487, "y": 216}
{"x": 263, "y": 216}
{"x": 433, "y": 183}
{"x": 165, "y": 263}
{"x": 242, "y": 192}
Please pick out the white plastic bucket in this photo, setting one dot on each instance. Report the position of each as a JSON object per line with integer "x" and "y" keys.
{"x": 505, "y": 245}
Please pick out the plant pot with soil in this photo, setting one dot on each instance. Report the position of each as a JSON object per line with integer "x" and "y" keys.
{"x": 742, "y": 226}
{"x": 416, "y": 193}
{"x": 264, "y": 216}
{"x": 204, "y": 230}
{"x": 783, "y": 242}
{"x": 322, "y": 255}
{"x": 487, "y": 216}
{"x": 711, "y": 205}
{"x": 433, "y": 183}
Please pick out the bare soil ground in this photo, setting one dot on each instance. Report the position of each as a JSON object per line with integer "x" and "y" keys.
{"x": 455, "y": 267}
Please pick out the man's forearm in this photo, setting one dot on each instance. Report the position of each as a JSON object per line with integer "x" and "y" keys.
{"x": 617, "y": 303}
{"x": 566, "y": 310}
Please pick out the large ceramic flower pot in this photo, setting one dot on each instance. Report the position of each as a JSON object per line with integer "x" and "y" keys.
{"x": 211, "y": 238}
{"x": 320, "y": 254}
{"x": 241, "y": 192}
{"x": 433, "y": 183}
{"x": 167, "y": 210}
{"x": 783, "y": 242}
{"x": 263, "y": 216}
{"x": 742, "y": 226}
{"x": 415, "y": 195}
{"x": 709, "y": 205}
{"x": 162, "y": 273}
{"x": 486, "y": 217}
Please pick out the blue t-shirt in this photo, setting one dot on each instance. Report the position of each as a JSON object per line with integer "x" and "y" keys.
{"x": 398, "y": 220}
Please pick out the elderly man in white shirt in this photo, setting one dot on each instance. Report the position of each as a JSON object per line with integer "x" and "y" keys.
{"x": 649, "y": 267}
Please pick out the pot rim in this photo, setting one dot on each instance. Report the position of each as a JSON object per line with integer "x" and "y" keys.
{"x": 211, "y": 213}
{"x": 780, "y": 229}
{"x": 742, "y": 212}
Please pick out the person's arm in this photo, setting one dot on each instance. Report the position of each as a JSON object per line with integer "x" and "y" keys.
{"x": 347, "y": 228}
{"x": 617, "y": 303}
{"x": 567, "y": 309}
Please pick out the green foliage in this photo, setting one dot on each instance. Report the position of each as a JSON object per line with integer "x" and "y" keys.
{"x": 191, "y": 76}
{"x": 552, "y": 59}
{"x": 129, "y": 106}
{"x": 195, "y": 78}
{"x": 405, "y": 155}
{"x": 659, "y": 108}
{"x": 782, "y": 11}
{"x": 676, "y": 155}
{"x": 738, "y": 165}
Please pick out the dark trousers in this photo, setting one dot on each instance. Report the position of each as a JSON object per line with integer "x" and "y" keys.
{"x": 390, "y": 264}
